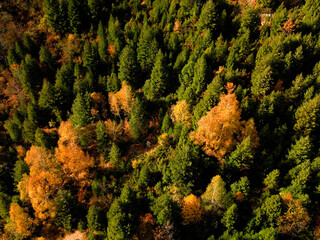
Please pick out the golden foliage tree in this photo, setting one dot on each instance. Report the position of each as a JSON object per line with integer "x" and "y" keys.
{"x": 121, "y": 100}
{"x": 214, "y": 196}
{"x": 74, "y": 162}
{"x": 296, "y": 219}
{"x": 191, "y": 209}
{"x": 220, "y": 130}
{"x": 20, "y": 221}
{"x": 181, "y": 112}
{"x": 42, "y": 183}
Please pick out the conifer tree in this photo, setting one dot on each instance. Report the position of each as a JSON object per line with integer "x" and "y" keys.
{"x": 103, "y": 44}
{"x": 138, "y": 119}
{"x": 51, "y": 9}
{"x": 128, "y": 66}
{"x": 156, "y": 86}
{"x": 81, "y": 114}
{"x": 115, "y": 155}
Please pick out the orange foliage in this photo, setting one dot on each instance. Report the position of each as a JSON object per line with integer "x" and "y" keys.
{"x": 296, "y": 218}
{"x": 99, "y": 105}
{"x": 221, "y": 129}
{"x": 121, "y": 100}
{"x": 164, "y": 232}
{"x": 13, "y": 90}
{"x": 146, "y": 226}
{"x": 20, "y": 221}
{"x": 191, "y": 209}
{"x": 181, "y": 112}
{"x": 42, "y": 183}
{"x": 112, "y": 50}
{"x": 289, "y": 26}
{"x": 75, "y": 163}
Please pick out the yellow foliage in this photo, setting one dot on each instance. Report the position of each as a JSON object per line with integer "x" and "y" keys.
{"x": 221, "y": 129}
{"x": 181, "y": 113}
{"x": 121, "y": 100}
{"x": 20, "y": 221}
{"x": 191, "y": 209}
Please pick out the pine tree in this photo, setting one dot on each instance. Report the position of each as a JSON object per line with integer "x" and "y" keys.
{"x": 115, "y": 155}
{"x": 200, "y": 74}
{"x": 156, "y": 86}
{"x": 208, "y": 16}
{"x": 128, "y": 66}
{"x": 51, "y": 9}
{"x": 103, "y": 44}
{"x": 65, "y": 204}
{"x": 95, "y": 219}
{"x": 102, "y": 137}
{"x": 147, "y": 48}
{"x": 81, "y": 114}
{"x": 138, "y": 119}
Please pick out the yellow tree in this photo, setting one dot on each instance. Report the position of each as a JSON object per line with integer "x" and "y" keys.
{"x": 42, "y": 183}
{"x": 74, "y": 162}
{"x": 191, "y": 209}
{"x": 220, "y": 130}
{"x": 121, "y": 100}
{"x": 20, "y": 221}
{"x": 181, "y": 112}
{"x": 214, "y": 196}
{"x": 296, "y": 219}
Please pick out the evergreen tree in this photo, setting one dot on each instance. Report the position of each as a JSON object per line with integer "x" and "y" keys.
{"x": 200, "y": 76}
{"x": 29, "y": 76}
{"x": 29, "y": 45}
{"x": 103, "y": 44}
{"x": 147, "y": 48}
{"x": 128, "y": 66}
{"x": 208, "y": 16}
{"x": 95, "y": 219}
{"x": 102, "y": 137}
{"x": 76, "y": 15}
{"x": 65, "y": 206}
{"x": 81, "y": 114}
{"x": 47, "y": 62}
{"x": 115, "y": 155}
{"x": 138, "y": 119}
{"x": 51, "y": 9}
{"x": 156, "y": 86}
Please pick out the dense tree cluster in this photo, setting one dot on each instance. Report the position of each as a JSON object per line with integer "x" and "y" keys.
{"x": 160, "y": 119}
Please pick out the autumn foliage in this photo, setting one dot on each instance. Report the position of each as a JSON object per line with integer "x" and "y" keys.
{"x": 20, "y": 221}
{"x": 296, "y": 219}
{"x": 74, "y": 162}
{"x": 191, "y": 209}
{"x": 121, "y": 100}
{"x": 181, "y": 113}
{"x": 42, "y": 183}
{"x": 221, "y": 129}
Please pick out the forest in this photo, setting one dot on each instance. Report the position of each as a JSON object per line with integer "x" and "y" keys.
{"x": 159, "y": 119}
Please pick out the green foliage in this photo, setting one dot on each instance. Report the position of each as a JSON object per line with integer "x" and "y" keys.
{"x": 102, "y": 138}
{"x": 243, "y": 186}
{"x": 272, "y": 180}
{"x": 163, "y": 208}
{"x": 208, "y": 16}
{"x": 156, "y": 86}
{"x": 20, "y": 168}
{"x": 138, "y": 119}
{"x": 243, "y": 155}
{"x": 115, "y": 155}
{"x": 307, "y": 116}
{"x": 230, "y": 217}
{"x": 95, "y": 218}
{"x": 128, "y": 66}
{"x": 81, "y": 114}
{"x": 4, "y": 205}
{"x": 64, "y": 203}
